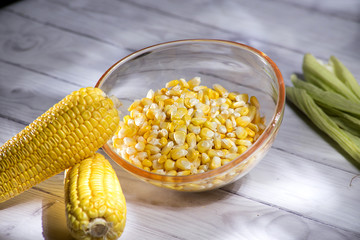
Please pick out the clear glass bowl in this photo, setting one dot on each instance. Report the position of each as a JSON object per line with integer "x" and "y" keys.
{"x": 235, "y": 66}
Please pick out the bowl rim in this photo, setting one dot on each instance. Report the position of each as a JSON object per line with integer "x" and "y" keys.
{"x": 270, "y": 130}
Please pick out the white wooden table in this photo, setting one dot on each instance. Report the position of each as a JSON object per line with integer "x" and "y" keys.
{"x": 305, "y": 187}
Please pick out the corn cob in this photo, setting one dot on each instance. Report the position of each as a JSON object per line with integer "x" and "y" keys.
{"x": 95, "y": 205}
{"x": 70, "y": 131}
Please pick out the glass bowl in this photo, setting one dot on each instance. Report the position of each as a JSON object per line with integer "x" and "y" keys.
{"x": 235, "y": 66}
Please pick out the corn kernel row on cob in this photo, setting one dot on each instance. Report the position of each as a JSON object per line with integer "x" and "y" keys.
{"x": 95, "y": 205}
{"x": 68, "y": 132}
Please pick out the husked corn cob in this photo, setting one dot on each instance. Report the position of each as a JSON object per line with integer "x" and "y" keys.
{"x": 67, "y": 133}
{"x": 94, "y": 201}
{"x": 187, "y": 128}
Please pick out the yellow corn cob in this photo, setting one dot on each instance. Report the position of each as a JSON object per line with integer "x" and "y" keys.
{"x": 70, "y": 131}
{"x": 94, "y": 202}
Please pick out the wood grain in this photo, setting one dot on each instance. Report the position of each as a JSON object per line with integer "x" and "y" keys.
{"x": 305, "y": 187}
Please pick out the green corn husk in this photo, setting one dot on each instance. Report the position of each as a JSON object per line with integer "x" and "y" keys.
{"x": 343, "y": 120}
{"x": 347, "y": 141}
{"x": 345, "y": 75}
{"x": 321, "y": 77}
{"x": 327, "y": 98}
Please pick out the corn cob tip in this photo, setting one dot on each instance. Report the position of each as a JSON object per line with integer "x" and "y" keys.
{"x": 99, "y": 228}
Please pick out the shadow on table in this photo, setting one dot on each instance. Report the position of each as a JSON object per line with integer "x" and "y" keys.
{"x": 147, "y": 194}
{"x": 54, "y": 221}
{"x": 5, "y": 3}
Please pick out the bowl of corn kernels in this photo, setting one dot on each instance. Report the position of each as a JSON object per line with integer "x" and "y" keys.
{"x": 196, "y": 114}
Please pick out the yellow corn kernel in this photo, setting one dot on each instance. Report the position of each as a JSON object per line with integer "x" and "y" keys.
{"x": 226, "y": 143}
{"x": 213, "y": 153}
{"x": 146, "y": 163}
{"x": 94, "y": 203}
{"x": 134, "y": 105}
{"x": 188, "y": 103}
{"x": 173, "y": 92}
{"x": 250, "y": 132}
{"x": 163, "y": 141}
{"x": 194, "y": 82}
{"x": 129, "y": 141}
{"x": 253, "y": 127}
{"x": 215, "y": 163}
{"x": 146, "y": 102}
{"x": 198, "y": 121}
{"x": 183, "y": 164}
{"x": 184, "y": 173}
{"x": 177, "y": 153}
{"x": 221, "y": 90}
{"x": 229, "y": 125}
{"x": 242, "y": 121}
{"x": 144, "y": 129}
{"x": 225, "y": 161}
{"x": 242, "y": 97}
{"x": 166, "y": 150}
{"x": 204, "y": 146}
{"x": 244, "y": 111}
{"x": 147, "y": 169}
{"x": 169, "y": 101}
{"x": 204, "y": 108}
{"x": 213, "y": 94}
{"x": 206, "y": 133}
{"x": 221, "y": 119}
{"x": 179, "y": 114}
{"x": 183, "y": 83}
{"x": 153, "y": 149}
{"x": 252, "y": 113}
{"x": 171, "y": 173}
{"x": 179, "y": 137}
{"x": 203, "y": 168}
{"x": 169, "y": 165}
{"x": 172, "y": 83}
{"x": 192, "y": 154}
{"x": 217, "y": 141}
{"x": 126, "y": 119}
{"x": 241, "y": 133}
{"x": 232, "y": 96}
{"x": 187, "y": 119}
{"x": 181, "y": 128}
{"x": 205, "y": 158}
{"x": 254, "y": 101}
{"x": 211, "y": 125}
{"x": 191, "y": 140}
{"x": 200, "y": 94}
{"x": 162, "y": 159}
{"x": 232, "y": 156}
{"x": 157, "y": 166}
{"x": 245, "y": 143}
{"x": 241, "y": 149}
{"x": 257, "y": 117}
{"x": 194, "y": 129}
{"x": 126, "y": 131}
{"x": 65, "y": 129}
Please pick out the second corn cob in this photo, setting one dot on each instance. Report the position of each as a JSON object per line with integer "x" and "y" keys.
{"x": 95, "y": 204}
{"x": 67, "y": 133}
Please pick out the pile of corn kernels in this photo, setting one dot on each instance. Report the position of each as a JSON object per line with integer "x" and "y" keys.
{"x": 186, "y": 128}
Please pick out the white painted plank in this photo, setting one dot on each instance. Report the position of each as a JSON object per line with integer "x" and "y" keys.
{"x": 289, "y": 195}
{"x": 216, "y": 214}
{"x": 54, "y": 52}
